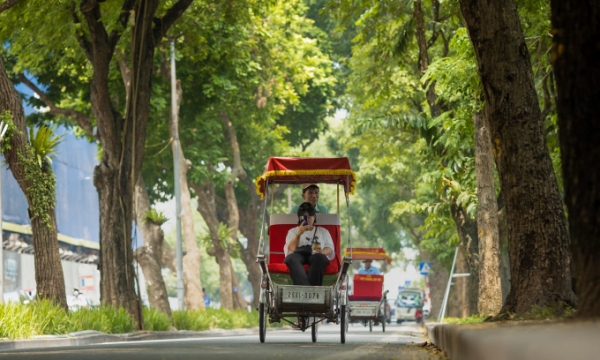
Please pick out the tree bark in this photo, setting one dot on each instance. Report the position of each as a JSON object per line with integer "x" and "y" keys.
{"x": 50, "y": 282}
{"x": 467, "y": 232}
{"x": 149, "y": 255}
{"x": 576, "y": 50}
{"x": 122, "y": 137}
{"x": 538, "y": 240}
{"x": 490, "y": 288}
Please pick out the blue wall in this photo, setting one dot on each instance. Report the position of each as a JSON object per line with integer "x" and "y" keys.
{"x": 77, "y": 207}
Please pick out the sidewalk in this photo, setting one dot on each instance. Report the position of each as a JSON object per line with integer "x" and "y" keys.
{"x": 518, "y": 341}
{"x": 90, "y": 337}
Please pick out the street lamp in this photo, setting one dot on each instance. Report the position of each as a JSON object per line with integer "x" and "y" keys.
{"x": 3, "y": 128}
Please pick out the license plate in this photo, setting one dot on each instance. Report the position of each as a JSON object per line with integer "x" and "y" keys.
{"x": 360, "y": 312}
{"x": 304, "y": 297}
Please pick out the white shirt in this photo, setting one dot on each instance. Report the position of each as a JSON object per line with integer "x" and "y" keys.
{"x": 322, "y": 236}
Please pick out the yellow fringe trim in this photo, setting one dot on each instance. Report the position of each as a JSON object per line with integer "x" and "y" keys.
{"x": 290, "y": 173}
{"x": 389, "y": 258}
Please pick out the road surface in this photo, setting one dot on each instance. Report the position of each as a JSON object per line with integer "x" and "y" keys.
{"x": 398, "y": 342}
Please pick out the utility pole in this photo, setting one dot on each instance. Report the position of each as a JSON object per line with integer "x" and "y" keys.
{"x": 175, "y": 130}
{"x": 3, "y": 128}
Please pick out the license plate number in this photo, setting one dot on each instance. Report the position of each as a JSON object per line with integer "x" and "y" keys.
{"x": 360, "y": 312}
{"x": 304, "y": 297}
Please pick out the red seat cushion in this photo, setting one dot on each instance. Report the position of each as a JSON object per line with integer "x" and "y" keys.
{"x": 364, "y": 298}
{"x": 331, "y": 269}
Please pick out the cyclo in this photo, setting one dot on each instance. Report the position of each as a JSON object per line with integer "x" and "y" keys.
{"x": 279, "y": 298}
{"x": 368, "y": 301}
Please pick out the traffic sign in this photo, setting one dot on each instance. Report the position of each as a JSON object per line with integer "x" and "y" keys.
{"x": 424, "y": 267}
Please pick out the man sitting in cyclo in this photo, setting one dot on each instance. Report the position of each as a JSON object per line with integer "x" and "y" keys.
{"x": 308, "y": 244}
{"x": 310, "y": 194}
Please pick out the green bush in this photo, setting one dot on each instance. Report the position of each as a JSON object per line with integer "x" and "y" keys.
{"x": 22, "y": 321}
{"x": 194, "y": 320}
{"x": 155, "y": 320}
{"x": 469, "y": 320}
{"x": 207, "y": 319}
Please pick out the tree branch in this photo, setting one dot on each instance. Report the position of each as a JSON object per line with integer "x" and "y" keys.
{"x": 163, "y": 24}
{"x": 83, "y": 42}
{"x": 115, "y": 35}
{"x": 125, "y": 74}
{"x": 7, "y": 5}
{"x": 82, "y": 119}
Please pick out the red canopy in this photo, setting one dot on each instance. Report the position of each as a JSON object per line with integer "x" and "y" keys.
{"x": 368, "y": 254}
{"x": 288, "y": 170}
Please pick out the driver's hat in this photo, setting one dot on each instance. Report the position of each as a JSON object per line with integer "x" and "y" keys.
{"x": 307, "y": 186}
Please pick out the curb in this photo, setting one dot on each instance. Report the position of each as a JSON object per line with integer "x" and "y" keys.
{"x": 517, "y": 341}
{"x": 90, "y": 337}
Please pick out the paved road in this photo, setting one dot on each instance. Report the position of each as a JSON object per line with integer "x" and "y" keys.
{"x": 398, "y": 342}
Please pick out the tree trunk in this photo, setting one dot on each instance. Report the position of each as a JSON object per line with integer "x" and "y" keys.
{"x": 538, "y": 240}
{"x": 149, "y": 255}
{"x": 116, "y": 254}
{"x": 226, "y": 274}
{"x": 467, "y": 232}
{"x": 249, "y": 227}
{"x": 207, "y": 208}
{"x": 194, "y": 297}
{"x": 504, "y": 257}
{"x": 238, "y": 299}
{"x": 233, "y": 222}
{"x": 576, "y": 50}
{"x": 490, "y": 288}
{"x": 463, "y": 286}
{"x": 50, "y": 282}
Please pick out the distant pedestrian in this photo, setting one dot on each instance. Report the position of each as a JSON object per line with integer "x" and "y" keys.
{"x": 206, "y": 298}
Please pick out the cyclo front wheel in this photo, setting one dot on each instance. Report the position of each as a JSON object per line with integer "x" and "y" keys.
{"x": 262, "y": 331}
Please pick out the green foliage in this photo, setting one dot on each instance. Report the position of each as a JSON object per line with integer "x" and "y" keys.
{"x": 42, "y": 317}
{"x": 474, "y": 319}
{"x": 210, "y": 318}
{"x": 42, "y": 184}
{"x": 224, "y": 232}
{"x": 155, "y": 320}
{"x": 44, "y": 143}
{"x": 7, "y": 119}
{"x": 155, "y": 217}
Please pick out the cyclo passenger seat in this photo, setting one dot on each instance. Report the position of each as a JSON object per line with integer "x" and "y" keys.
{"x": 367, "y": 288}
{"x": 278, "y": 230}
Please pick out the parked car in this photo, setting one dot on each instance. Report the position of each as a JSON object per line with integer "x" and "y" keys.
{"x": 409, "y": 306}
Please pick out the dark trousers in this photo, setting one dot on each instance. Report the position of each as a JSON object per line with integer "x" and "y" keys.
{"x": 316, "y": 268}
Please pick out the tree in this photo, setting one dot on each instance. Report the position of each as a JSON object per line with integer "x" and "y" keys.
{"x": 538, "y": 240}
{"x": 97, "y": 28}
{"x": 29, "y": 164}
{"x": 575, "y": 53}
